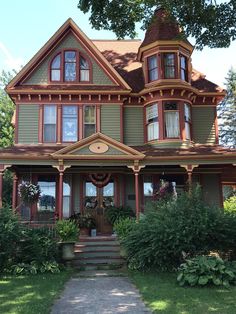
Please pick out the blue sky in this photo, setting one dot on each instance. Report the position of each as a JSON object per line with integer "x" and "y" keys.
{"x": 26, "y": 25}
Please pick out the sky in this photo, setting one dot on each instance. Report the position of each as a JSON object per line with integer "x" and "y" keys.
{"x": 26, "y": 25}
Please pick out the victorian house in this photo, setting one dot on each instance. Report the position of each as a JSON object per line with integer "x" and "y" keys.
{"x": 102, "y": 122}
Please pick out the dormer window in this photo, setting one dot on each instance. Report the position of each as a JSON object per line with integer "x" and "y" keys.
{"x": 152, "y": 68}
{"x": 70, "y": 66}
{"x": 183, "y": 68}
{"x": 169, "y": 65}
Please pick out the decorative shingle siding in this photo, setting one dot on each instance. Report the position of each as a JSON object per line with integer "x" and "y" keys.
{"x": 203, "y": 125}
{"x": 40, "y": 75}
{"x": 133, "y": 126}
{"x": 28, "y": 124}
{"x": 110, "y": 121}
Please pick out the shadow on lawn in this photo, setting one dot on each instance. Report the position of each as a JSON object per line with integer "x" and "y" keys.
{"x": 163, "y": 295}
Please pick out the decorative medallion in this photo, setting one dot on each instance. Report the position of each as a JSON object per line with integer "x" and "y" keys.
{"x": 98, "y": 148}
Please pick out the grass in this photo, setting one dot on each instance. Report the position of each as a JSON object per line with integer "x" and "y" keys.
{"x": 162, "y": 294}
{"x": 30, "y": 294}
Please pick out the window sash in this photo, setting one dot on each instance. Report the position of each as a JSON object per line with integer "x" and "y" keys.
{"x": 183, "y": 68}
{"x": 169, "y": 65}
{"x": 172, "y": 124}
{"x": 187, "y": 131}
{"x": 69, "y": 124}
{"x": 152, "y": 113}
{"x": 47, "y": 200}
{"x": 152, "y": 68}
{"x": 49, "y": 129}
{"x": 187, "y": 113}
{"x": 84, "y": 75}
{"x": 153, "y": 131}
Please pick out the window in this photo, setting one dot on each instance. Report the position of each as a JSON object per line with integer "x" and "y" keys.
{"x": 84, "y": 70}
{"x": 49, "y": 129}
{"x": 70, "y": 66}
{"x": 89, "y": 120}
{"x": 187, "y": 121}
{"x": 56, "y": 68}
{"x": 66, "y": 196}
{"x": 171, "y": 115}
{"x": 90, "y": 201}
{"x": 108, "y": 195}
{"x": 69, "y": 123}
{"x": 169, "y": 65}
{"x": 47, "y": 201}
{"x": 152, "y": 68}
{"x": 152, "y": 122}
{"x": 183, "y": 68}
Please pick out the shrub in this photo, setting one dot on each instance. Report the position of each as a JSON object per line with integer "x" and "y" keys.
{"x": 116, "y": 213}
{"x": 33, "y": 268}
{"x": 170, "y": 229}
{"x": 123, "y": 227}
{"x": 204, "y": 270}
{"x": 230, "y": 204}
{"x": 67, "y": 230}
{"x": 84, "y": 220}
{"x": 10, "y": 234}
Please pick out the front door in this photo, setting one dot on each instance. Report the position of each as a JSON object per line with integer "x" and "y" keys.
{"x": 96, "y": 201}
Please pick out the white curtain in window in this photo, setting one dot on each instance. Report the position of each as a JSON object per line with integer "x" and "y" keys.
{"x": 84, "y": 75}
{"x": 187, "y": 112}
{"x": 153, "y": 131}
{"x": 172, "y": 124}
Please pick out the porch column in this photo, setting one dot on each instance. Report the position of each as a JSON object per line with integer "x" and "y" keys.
{"x": 1, "y": 185}
{"x": 189, "y": 169}
{"x": 137, "y": 198}
{"x": 14, "y": 191}
{"x": 60, "y": 196}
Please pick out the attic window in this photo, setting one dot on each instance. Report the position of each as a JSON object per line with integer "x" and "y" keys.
{"x": 70, "y": 66}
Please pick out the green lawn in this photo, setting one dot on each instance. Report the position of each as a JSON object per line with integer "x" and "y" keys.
{"x": 30, "y": 294}
{"x": 163, "y": 295}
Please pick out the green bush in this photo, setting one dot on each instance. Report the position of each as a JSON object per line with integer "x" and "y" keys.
{"x": 169, "y": 230}
{"x": 123, "y": 227}
{"x": 230, "y": 204}
{"x": 10, "y": 235}
{"x": 67, "y": 230}
{"x": 205, "y": 270}
{"x": 116, "y": 213}
{"x": 33, "y": 268}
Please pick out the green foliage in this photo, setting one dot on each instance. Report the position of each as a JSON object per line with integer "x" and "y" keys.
{"x": 210, "y": 23}
{"x": 84, "y": 220}
{"x": 67, "y": 230}
{"x": 205, "y": 270}
{"x": 230, "y": 204}
{"x": 33, "y": 268}
{"x": 116, "y": 213}
{"x": 227, "y": 112}
{"x": 7, "y": 188}
{"x": 169, "y": 230}
{"x": 123, "y": 227}
{"x": 6, "y": 111}
{"x": 10, "y": 235}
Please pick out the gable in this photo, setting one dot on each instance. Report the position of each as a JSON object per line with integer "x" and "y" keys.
{"x": 40, "y": 74}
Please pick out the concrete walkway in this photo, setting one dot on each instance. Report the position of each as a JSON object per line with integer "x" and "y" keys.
{"x": 99, "y": 292}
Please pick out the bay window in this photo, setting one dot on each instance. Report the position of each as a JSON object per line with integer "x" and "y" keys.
{"x": 89, "y": 120}
{"x": 152, "y": 68}
{"x": 49, "y": 123}
{"x": 169, "y": 65}
{"x": 152, "y": 123}
{"x": 171, "y": 117}
{"x": 69, "y": 123}
{"x": 187, "y": 121}
{"x": 183, "y": 68}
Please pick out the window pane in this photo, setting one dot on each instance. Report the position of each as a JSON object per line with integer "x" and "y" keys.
{"x": 108, "y": 190}
{"x": 89, "y": 129}
{"x": 171, "y": 106}
{"x": 152, "y": 68}
{"x": 89, "y": 114}
{"x": 47, "y": 200}
{"x": 90, "y": 189}
{"x": 169, "y": 59}
{"x": 152, "y": 113}
{"x": 66, "y": 199}
{"x": 187, "y": 131}
{"x": 153, "y": 131}
{"x": 169, "y": 72}
{"x": 153, "y": 75}
{"x": 84, "y": 65}
{"x": 49, "y": 130}
{"x": 183, "y": 62}
{"x": 70, "y": 56}
{"x": 187, "y": 113}
{"x": 70, "y": 71}
{"x": 56, "y": 63}
{"x": 55, "y": 75}
{"x": 148, "y": 189}
{"x": 169, "y": 64}
{"x": 50, "y": 114}
{"x": 50, "y": 133}
{"x": 84, "y": 75}
{"x": 172, "y": 124}
{"x": 69, "y": 124}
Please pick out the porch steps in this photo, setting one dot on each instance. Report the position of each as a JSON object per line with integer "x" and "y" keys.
{"x": 101, "y": 252}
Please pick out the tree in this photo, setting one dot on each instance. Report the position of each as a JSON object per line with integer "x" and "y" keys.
{"x": 211, "y": 22}
{"x": 227, "y": 112}
{"x": 6, "y": 111}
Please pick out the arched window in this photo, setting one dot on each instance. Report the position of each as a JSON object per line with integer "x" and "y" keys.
{"x": 56, "y": 68}
{"x": 84, "y": 69}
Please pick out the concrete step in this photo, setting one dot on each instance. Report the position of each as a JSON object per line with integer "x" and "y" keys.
{"x": 100, "y": 253}
{"x": 99, "y": 260}
{"x": 98, "y": 267}
{"x": 97, "y": 248}
{"x": 97, "y": 243}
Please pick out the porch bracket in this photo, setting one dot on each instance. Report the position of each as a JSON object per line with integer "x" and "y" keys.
{"x": 189, "y": 169}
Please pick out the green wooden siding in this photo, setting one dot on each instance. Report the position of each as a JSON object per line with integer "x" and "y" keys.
{"x": 211, "y": 188}
{"x": 40, "y": 75}
{"x": 110, "y": 121}
{"x": 203, "y": 125}
{"x": 133, "y": 126}
{"x": 28, "y": 124}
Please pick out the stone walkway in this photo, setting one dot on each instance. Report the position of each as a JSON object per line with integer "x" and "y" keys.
{"x": 99, "y": 292}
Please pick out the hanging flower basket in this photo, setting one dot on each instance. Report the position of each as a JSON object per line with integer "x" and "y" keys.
{"x": 29, "y": 193}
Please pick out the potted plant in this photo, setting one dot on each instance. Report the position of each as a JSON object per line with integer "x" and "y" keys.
{"x": 29, "y": 193}
{"x": 68, "y": 232}
{"x": 86, "y": 222}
